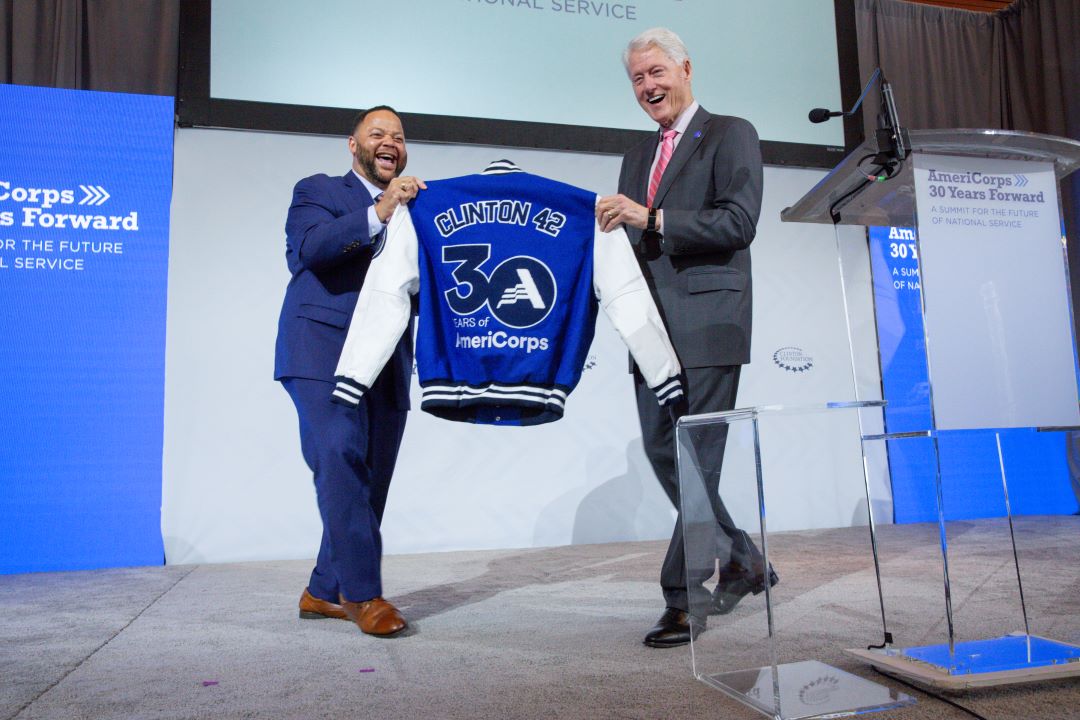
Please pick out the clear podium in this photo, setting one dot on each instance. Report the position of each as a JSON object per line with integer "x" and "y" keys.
{"x": 980, "y": 209}
{"x": 779, "y": 681}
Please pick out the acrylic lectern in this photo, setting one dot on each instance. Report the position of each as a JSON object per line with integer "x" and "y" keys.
{"x": 983, "y": 212}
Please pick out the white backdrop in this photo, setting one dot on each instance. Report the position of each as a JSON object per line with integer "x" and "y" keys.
{"x": 235, "y": 486}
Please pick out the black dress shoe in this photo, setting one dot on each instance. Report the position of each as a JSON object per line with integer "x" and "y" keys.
{"x": 730, "y": 591}
{"x": 673, "y": 629}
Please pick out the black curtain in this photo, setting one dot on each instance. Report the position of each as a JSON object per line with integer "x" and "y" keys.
{"x": 944, "y": 65}
{"x": 112, "y": 45}
{"x": 1015, "y": 69}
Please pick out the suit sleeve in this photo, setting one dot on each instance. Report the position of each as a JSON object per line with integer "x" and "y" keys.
{"x": 626, "y": 300}
{"x": 382, "y": 312}
{"x": 317, "y": 235}
{"x": 728, "y": 220}
{"x": 634, "y": 234}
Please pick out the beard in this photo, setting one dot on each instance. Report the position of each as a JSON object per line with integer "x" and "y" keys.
{"x": 366, "y": 159}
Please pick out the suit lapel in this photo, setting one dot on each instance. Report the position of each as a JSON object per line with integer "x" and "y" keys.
{"x": 639, "y": 177}
{"x": 688, "y": 144}
{"x": 357, "y": 193}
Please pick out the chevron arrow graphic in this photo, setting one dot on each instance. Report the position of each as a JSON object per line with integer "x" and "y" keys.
{"x": 93, "y": 195}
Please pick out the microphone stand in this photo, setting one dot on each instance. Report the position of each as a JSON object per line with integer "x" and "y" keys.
{"x": 892, "y": 140}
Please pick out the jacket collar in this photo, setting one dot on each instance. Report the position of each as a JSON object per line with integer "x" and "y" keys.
{"x": 501, "y": 167}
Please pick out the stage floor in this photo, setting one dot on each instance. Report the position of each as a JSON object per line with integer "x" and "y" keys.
{"x": 547, "y": 633}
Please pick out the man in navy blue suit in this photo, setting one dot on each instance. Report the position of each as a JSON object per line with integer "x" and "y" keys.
{"x": 333, "y": 228}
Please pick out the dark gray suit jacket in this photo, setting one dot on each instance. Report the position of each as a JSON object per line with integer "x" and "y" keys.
{"x": 699, "y": 270}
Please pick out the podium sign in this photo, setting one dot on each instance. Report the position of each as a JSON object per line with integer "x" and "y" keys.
{"x": 997, "y": 315}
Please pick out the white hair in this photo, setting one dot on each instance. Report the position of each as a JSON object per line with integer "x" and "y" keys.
{"x": 661, "y": 38}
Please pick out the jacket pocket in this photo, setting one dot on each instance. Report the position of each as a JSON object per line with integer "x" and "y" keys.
{"x": 323, "y": 314}
{"x": 721, "y": 279}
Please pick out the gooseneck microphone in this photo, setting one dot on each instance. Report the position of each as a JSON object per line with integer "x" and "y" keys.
{"x": 820, "y": 115}
{"x": 893, "y": 142}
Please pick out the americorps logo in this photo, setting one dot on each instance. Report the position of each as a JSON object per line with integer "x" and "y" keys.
{"x": 793, "y": 359}
{"x": 519, "y": 292}
{"x": 525, "y": 288}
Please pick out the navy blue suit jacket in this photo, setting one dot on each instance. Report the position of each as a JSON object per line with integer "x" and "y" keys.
{"x": 328, "y": 248}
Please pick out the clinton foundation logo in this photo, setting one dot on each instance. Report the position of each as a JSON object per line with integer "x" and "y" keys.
{"x": 819, "y": 691}
{"x": 793, "y": 359}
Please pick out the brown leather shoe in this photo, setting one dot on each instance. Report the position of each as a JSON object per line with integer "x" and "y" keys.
{"x": 312, "y": 608}
{"x": 375, "y": 617}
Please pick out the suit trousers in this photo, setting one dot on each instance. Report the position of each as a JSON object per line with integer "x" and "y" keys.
{"x": 351, "y": 452}
{"x": 709, "y": 390}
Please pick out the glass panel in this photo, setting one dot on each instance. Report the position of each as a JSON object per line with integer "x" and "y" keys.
{"x": 736, "y": 609}
{"x": 994, "y": 599}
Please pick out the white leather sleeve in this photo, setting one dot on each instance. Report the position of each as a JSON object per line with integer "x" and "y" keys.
{"x": 382, "y": 311}
{"x": 625, "y": 298}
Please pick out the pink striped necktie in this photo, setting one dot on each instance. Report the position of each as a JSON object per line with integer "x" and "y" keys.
{"x": 667, "y": 146}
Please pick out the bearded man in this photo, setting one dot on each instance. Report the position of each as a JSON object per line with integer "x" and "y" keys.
{"x": 333, "y": 229}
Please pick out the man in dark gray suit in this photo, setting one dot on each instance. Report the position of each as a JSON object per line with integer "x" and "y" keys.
{"x": 689, "y": 198}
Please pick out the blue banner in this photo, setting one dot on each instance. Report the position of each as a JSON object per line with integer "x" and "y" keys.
{"x": 1035, "y": 463}
{"x": 85, "y": 186}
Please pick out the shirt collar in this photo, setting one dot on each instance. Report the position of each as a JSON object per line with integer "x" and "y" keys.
{"x": 683, "y": 121}
{"x": 371, "y": 187}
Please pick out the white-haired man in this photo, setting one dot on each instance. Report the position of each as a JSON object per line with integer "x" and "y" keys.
{"x": 690, "y": 198}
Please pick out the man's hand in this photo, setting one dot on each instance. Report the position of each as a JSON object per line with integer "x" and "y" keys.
{"x": 613, "y": 210}
{"x": 399, "y": 192}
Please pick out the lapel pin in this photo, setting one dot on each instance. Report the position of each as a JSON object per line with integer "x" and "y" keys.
{"x": 697, "y": 134}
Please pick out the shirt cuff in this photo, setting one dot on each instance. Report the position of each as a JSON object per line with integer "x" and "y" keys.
{"x": 375, "y": 225}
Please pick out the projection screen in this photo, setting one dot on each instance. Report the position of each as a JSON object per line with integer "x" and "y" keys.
{"x": 519, "y": 73}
